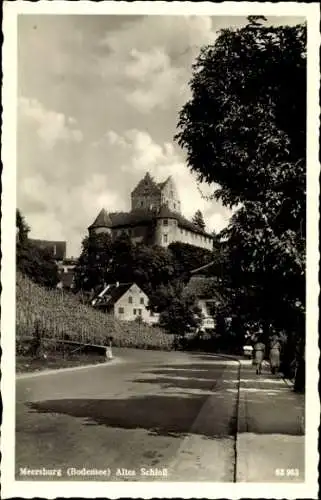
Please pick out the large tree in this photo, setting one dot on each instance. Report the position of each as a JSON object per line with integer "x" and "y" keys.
{"x": 35, "y": 262}
{"x": 188, "y": 257}
{"x": 22, "y": 228}
{"x": 179, "y": 311}
{"x": 93, "y": 268}
{"x": 198, "y": 220}
{"x": 245, "y": 130}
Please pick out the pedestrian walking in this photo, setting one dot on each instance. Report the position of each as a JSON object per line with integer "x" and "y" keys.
{"x": 109, "y": 354}
{"x": 275, "y": 350}
{"x": 259, "y": 352}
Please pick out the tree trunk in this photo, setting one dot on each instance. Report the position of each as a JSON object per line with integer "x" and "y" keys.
{"x": 299, "y": 381}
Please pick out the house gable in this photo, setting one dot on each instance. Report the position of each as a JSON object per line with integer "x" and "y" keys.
{"x": 133, "y": 304}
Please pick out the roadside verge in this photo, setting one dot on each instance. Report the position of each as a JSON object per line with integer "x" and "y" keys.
{"x": 111, "y": 362}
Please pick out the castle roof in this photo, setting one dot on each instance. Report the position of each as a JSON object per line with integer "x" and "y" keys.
{"x": 142, "y": 217}
{"x": 166, "y": 213}
{"x": 161, "y": 185}
{"x": 102, "y": 220}
{"x": 147, "y": 185}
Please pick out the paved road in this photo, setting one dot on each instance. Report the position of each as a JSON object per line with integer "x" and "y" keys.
{"x": 154, "y": 410}
{"x": 270, "y": 439}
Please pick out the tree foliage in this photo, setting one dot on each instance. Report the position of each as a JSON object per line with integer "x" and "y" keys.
{"x": 188, "y": 257}
{"x": 181, "y": 314}
{"x": 93, "y": 267}
{"x": 246, "y": 118}
{"x": 22, "y": 228}
{"x": 244, "y": 129}
{"x": 32, "y": 261}
{"x": 198, "y": 220}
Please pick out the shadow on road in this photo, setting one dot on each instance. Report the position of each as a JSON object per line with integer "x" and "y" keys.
{"x": 160, "y": 415}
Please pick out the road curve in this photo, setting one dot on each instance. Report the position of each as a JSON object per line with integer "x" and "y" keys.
{"x": 168, "y": 413}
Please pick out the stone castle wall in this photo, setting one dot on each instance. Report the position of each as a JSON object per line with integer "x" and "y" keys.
{"x": 146, "y": 201}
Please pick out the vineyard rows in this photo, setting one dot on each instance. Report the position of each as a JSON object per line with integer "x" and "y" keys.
{"x": 60, "y": 315}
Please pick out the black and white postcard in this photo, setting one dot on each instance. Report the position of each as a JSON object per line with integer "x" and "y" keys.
{"x": 159, "y": 325}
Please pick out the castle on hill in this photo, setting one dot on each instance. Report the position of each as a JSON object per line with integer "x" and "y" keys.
{"x": 155, "y": 218}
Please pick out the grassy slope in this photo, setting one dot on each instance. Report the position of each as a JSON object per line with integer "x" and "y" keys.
{"x": 60, "y": 313}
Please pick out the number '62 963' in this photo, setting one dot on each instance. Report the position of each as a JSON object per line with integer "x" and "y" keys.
{"x": 287, "y": 472}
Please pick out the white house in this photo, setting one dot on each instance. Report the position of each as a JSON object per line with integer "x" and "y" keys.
{"x": 126, "y": 301}
{"x": 205, "y": 288}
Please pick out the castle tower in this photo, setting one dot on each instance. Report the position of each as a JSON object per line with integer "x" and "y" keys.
{"x": 102, "y": 224}
{"x": 166, "y": 227}
{"x": 146, "y": 194}
{"x": 152, "y": 196}
{"x": 169, "y": 195}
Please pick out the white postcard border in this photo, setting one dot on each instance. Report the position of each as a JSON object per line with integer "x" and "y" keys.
{"x": 29, "y": 489}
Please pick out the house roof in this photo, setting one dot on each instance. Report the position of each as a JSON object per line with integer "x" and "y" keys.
{"x": 203, "y": 287}
{"x": 56, "y": 248}
{"x": 111, "y": 294}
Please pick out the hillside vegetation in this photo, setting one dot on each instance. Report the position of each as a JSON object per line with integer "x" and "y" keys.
{"x": 61, "y": 315}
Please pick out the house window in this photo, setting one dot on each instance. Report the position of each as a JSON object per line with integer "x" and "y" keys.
{"x": 165, "y": 222}
{"x": 139, "y": 312}
{"x": 130, "y": 300}
{"x": 141, "y": 203}
{"x": 141, "y": 300}
{"x": 134, "y": 311}
{"x": 165, "y": 238}
{"x": 151, "y": 313}
{"x": 121, "y": 310}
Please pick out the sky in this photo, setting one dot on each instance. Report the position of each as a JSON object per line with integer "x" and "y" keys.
{"x": 98, "y": 104}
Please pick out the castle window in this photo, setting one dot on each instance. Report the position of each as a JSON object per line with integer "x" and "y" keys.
{"x": 165, "y": 239}
{"x": 165, "y": 222}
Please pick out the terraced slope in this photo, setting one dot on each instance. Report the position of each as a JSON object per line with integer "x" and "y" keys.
{"x": 59, "y": 314}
